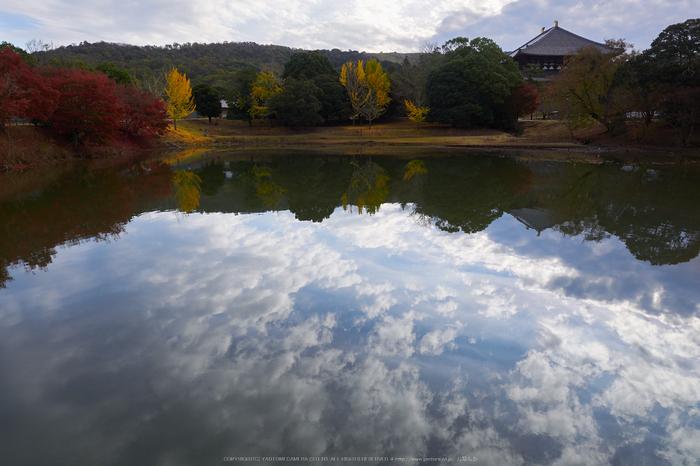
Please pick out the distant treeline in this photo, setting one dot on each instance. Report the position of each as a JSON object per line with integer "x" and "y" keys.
{"x": 213, "y": 64}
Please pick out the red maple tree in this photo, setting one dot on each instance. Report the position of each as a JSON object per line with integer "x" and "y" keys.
{"x": 23, "y": 92}
{"x": 89, "y": 110}
{"x": 145, "y": 114}
{"x": 526, "y": 99}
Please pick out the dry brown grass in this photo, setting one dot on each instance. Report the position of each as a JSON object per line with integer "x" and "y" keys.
{"x": 392, "y": 132}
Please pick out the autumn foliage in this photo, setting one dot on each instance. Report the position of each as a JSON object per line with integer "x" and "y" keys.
{"x": 144, "y": 114}
{"x": 88, "y": 110}
{"x": 86, "y": 107}
{"x": 179, "y": 91}
{"x": 23, "y": 93}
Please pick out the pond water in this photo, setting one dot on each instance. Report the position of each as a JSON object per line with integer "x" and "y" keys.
{"x": 473, "y": 308}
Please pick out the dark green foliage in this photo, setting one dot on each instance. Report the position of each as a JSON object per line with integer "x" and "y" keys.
{"x": 198, "y": 60}
{"x": 308, "y": 65}
{"x": 665, "y": 80}
{"x": 340, "y": 57}
{"x": 454, "y": 99}
{"x": 468, "y": 194}
{"x": 319, "y": 70}
{"x": 474, "y": 86}
{"x": 207, "y": 101}
{"x": 213, "y": 178}
{"x": 209, "y": 63}
{"x": 410, "y": 80}
{"x": 239, "y": 97}
{"x": 677, "y": 50}
{"x": 298, "y": 104}
{"x": 333, "y": 100}
{"x": 120, "y": 75}
{"x": 533, "y": 74}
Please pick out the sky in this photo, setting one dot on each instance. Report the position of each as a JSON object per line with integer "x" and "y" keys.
{"x": 363, "y": 25}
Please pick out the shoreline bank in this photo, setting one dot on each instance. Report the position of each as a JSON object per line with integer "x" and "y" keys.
{"x": 25, "y": 147}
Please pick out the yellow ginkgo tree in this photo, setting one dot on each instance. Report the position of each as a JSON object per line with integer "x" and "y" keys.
{"x": 179, "y": 92}
{"x": 368, "y": 88}
{"x": 264, "y": 87}
{"x": 352, "y": 76}
{"x": 416, "y": 114}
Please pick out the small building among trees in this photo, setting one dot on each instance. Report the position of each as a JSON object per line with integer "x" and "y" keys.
{"x": 548, "y": 50}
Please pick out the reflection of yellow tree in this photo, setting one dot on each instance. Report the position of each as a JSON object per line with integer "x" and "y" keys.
{"x": 414, "y": 167}
{"x": 267, "y": 191}
{"x": 187, "y": 190}
{"x": 368, "y": 188}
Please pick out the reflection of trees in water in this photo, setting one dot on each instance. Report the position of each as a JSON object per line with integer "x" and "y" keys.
{"x": 313, "y": 185}
{"x": 187, "y": 190}
{"x": 655, "y": 214}
{"x": 212, "y": 177}
{"x": 265, "y": 189}
{"x": 468, "y": 193}
{"x": 653, "y": 211}
{"x": 82, "y": 205}
{"x": 368, "y": 188}
{"x": 413, "y": 168}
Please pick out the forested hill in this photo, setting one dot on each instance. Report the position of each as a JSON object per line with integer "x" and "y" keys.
{"x": 212, "y": 64}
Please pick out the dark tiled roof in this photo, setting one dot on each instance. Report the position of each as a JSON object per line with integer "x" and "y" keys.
{"x": 557, "y": 42}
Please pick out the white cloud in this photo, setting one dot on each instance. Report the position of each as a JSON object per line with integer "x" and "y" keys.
{"x": 435, "y": 341}
{"x": 357, "y": 24}
{"x": 394, "y": 336}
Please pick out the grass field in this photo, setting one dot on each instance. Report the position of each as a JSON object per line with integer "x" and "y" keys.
{"x": 393, "y": 132}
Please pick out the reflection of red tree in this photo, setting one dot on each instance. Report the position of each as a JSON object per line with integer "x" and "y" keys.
{"x": 520, "y": 180}
{"x": 90, "y": 205}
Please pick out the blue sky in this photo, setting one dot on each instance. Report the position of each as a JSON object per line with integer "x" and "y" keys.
{"x": 389, "y": 25}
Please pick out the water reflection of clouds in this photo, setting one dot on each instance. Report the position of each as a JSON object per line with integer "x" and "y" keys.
{"x": 208, "y": 327}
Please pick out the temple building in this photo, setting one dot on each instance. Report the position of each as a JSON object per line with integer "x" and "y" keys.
{"x": 549, "y": 49}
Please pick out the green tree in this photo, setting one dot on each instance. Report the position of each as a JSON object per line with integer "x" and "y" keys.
{"x": 533, "y": 74}
{"x": 320, "y": 71}
{"x": 473, "y": 86}
{"x": 333, "y": 100}
{"x": 671, "y": 70}
{"x": 308, "y": 65}
{"x": 119, "y": 75}
{"x": 207, "y": 101}
{"x": 298, "y": 104}
{"x": 410, "y": 80}
{"x": 240, "y": 97}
